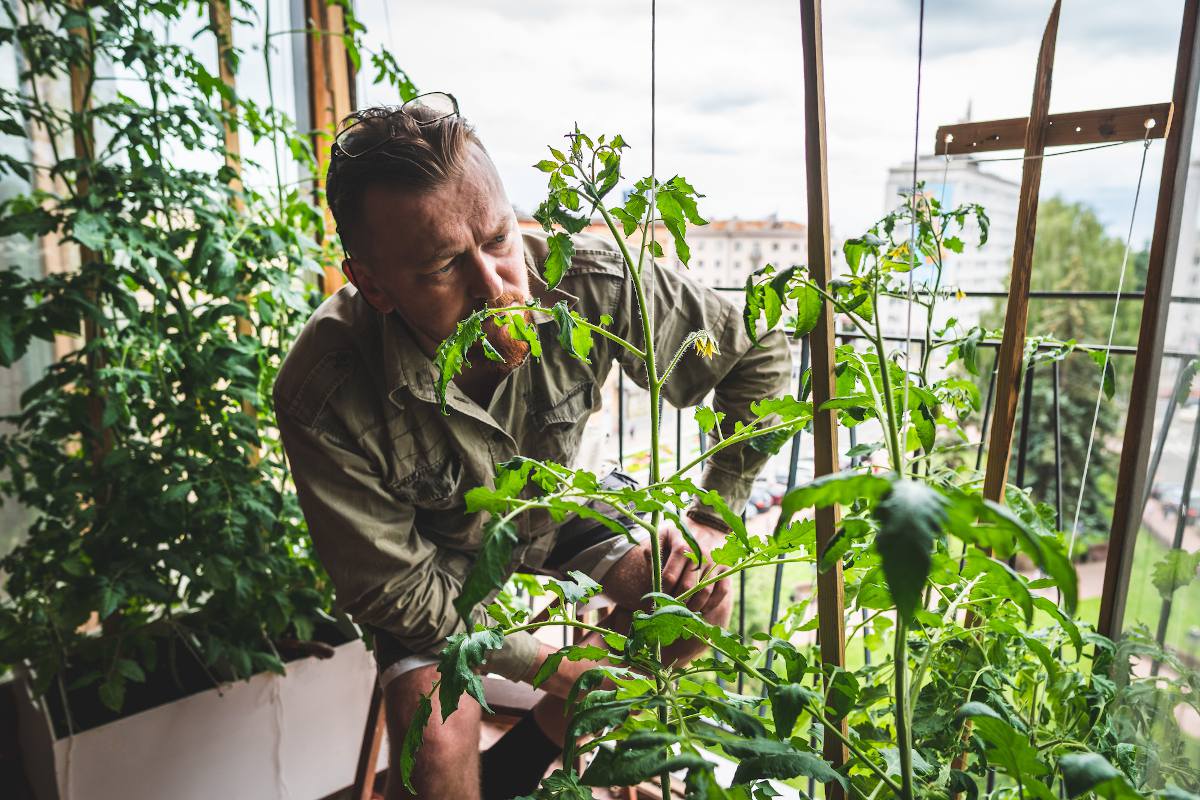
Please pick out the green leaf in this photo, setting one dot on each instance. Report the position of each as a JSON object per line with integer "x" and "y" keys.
{"x": 842, "y": 488}
{"x": 1175, "y": 569}
{"x": 788, "y": 702}
{"x": 808, "y": 308}
{"x": 464, "y": 653}
{"x": 572, "y": 652}
{"x": 1067, "y": 624}
{"x": 1002, "y": 579}
{"x": 752, "y": 309}
{"x": 576, "y": 590}
{"x": 130, "y": 670}
{"x": 491, "y": 567}
{"x": 1105, "y": 363}
{"x": 630, "y": 767}
{"x": 910, "y": 518}
{"x": 90, "y": 230}
{"x": 560, "y": 785}
{"x": 412, "y": 740}
{"x": 546, "y": 165}
{"x": 1006, "y": 747}
{"x": 451, "y": 354}
{"x": 785, "y": 766}
{"x": 112, "y": 692}
{"x": 708, "y": 419}
{"x": 1091, "y": 772}
{"x": 834, "y": 549}
{"x": 558, "y": 260}
{"x": 574, "y": 338}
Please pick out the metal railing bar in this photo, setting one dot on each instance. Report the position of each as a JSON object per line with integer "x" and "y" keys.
{"x": 793, "y": 474}
{"x": 1044, "y": 294}
{"x": 1185, "y": 505}
{"x": 1165, "y": 428}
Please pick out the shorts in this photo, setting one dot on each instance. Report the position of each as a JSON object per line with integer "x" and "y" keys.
{"x": 580, "y": 544}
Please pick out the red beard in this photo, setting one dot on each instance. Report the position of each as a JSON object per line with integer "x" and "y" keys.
{"x": 514, "y": 351}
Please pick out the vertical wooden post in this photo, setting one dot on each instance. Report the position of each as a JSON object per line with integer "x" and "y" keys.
{"x": 1147, "y": 365}
{"x": 830, "y": 597}
{"x": 329, "y": 97}
{"x": 83, "y": 135}
{"x": 222, "y": 24}
{"x": 1012, "y": 346}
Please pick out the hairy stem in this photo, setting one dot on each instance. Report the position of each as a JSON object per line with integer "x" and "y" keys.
{"x": 902, "y": 710}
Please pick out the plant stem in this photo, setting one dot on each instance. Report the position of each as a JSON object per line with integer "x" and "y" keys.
{"x": 902, "y": 710}
{"x": 885, "y": 385}
{"x": 581, "y": 322}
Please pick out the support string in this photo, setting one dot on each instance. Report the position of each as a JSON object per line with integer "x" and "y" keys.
{"x": 1052, "y": 155}
{"x": 1112, "y": 328}
{"x": 912, "y": 246}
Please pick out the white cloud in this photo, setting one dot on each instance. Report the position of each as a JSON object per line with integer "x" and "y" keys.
{"x": 730, "y": 87}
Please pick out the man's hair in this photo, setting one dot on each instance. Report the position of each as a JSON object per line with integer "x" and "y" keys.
{"x": 412, "y": 157}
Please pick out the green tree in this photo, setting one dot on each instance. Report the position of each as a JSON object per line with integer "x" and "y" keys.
{"x": 1074, "y": 252}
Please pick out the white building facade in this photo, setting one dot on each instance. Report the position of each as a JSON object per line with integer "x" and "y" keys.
{"x": 954, "y": 183}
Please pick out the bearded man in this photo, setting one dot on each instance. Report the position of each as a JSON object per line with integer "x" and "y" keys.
{"x": 430, "y": 237}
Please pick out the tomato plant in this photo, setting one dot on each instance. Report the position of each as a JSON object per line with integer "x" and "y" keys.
{"x": 984, "y": 684}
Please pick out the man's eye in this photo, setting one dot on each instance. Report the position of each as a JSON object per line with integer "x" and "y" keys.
{"x": 500, "y": 239}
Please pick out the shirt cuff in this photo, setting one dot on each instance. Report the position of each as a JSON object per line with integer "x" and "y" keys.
{"x": 515, "y": 659}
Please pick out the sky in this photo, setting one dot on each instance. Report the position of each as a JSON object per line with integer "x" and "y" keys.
{"x": 729, "y": 88}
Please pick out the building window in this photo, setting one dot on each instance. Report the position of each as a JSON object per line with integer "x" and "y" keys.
{"x": 737, "y": 245}
{"x": 774, "y": 245}
{"x": 795, "y": 246}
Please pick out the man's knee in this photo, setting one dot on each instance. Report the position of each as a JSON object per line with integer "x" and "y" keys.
{"x": 444, "y": 741}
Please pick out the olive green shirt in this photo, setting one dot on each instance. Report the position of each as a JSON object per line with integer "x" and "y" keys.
{"x": 381, "y": 472}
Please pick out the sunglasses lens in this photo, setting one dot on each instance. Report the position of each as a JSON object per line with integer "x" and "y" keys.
{"x": 359, "y": 138}
{"x": 436, "y": 105}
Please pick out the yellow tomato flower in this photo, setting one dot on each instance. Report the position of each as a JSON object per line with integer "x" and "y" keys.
{"x": 706, "y": 345}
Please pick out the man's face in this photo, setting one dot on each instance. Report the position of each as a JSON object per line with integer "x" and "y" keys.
{"x": 435, "y": 257}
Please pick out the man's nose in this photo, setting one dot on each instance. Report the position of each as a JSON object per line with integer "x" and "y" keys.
{"x": 486, "y": 282}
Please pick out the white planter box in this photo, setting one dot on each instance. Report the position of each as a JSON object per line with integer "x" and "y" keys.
{"x": 295, "y": 737}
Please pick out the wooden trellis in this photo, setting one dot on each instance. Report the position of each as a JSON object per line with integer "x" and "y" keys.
{"x": 1147, "y": 365}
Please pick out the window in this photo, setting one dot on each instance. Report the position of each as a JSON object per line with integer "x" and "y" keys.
{"x": 774, "y": 245}
{"x": 737, "y": 245}
{"x": 795, "y": 246}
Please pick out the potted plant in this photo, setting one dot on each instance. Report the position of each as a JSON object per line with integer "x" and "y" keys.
{"x": 166, "y": 554}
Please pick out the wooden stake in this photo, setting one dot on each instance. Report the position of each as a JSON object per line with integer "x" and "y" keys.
{"x": 830, "y": 597}
{"x": 222, "y": 23}
{"x": 83, "y": 135}
{"x": 1147, "y": 365}
{"x": 329, "y": 100}
{"x": 1012, "y": 346}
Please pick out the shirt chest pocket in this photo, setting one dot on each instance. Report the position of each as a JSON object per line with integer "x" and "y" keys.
{"x": 426, "y": 471}
{"x": 557, "y": 420}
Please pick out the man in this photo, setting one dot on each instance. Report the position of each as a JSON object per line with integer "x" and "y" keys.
{"x": 431, "y": 237}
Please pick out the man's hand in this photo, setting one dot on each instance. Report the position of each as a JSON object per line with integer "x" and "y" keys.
{"x": 680, "y": 574}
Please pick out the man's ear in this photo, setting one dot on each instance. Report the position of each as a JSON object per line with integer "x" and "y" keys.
{"x": 360, "y": 275}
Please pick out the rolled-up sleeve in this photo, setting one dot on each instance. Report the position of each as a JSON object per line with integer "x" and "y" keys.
{"x": 740, "y": 374}
{"x": 384, "y": 572}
